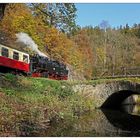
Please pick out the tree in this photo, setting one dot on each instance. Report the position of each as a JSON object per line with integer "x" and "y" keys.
{"x": 84, "y": 44}
{"x": 127, "y": 26}
{"x": 18, "y": 18}
{"x": 2, "y": 9}
{"x": 104, "y": 25}
{"x": 59, "y": 15}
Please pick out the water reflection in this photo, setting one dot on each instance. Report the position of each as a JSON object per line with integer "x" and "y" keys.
{"x": 100, "y": 123}
{"x": 126, "y": 124}
{"x": 131, "y": 109}
{"x": 105, "y": 122}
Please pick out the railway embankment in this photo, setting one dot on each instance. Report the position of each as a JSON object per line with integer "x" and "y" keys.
{"x": 28, "y": 105}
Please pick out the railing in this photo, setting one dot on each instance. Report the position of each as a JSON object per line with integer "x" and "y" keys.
{"x": 116, "y": 73}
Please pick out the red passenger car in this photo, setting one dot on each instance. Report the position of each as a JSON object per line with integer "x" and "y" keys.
{"x": 12, "y": 60}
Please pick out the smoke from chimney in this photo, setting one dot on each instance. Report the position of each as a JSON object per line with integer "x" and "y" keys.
{"x": 28, "y": 42}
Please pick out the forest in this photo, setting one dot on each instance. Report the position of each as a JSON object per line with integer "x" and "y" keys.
{"x": 89, "y": 50}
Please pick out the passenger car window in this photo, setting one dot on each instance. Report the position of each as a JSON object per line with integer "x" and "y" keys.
{"x": 25, "y": 58}
{"x": 16, "y": 55}
{"x": 5, "y": 52}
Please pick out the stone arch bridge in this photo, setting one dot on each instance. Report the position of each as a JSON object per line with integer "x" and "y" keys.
{"x": 111, "y": 94}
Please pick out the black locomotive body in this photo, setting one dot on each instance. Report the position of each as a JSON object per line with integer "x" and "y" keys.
{"x": 41, "y": 66}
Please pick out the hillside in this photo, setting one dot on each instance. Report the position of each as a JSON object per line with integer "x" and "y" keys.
{"x": 89, "y": 51}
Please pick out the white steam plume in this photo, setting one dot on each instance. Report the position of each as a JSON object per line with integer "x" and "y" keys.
{"x": 28, "y": 42}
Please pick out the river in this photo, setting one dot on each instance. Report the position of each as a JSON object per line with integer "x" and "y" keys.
{"x": 100, "y": 123}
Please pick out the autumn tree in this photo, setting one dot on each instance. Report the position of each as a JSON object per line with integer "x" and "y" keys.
{"x": 63, "y": 49}
{"x": 59, "y": 15}
{"x": 18, "y": 18}
{"x": 84, "y": 45}
{"x": 118, "y": 49}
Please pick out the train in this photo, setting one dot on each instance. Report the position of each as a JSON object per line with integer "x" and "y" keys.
{"x": 21, "y": 63}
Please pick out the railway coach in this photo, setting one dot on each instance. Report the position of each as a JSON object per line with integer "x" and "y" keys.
{"x": 13, "y": 61}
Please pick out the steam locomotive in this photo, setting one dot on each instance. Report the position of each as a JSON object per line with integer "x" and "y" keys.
{"x": 17, "y": 62}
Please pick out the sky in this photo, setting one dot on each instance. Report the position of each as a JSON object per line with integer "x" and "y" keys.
{"x": 116, "y": 14}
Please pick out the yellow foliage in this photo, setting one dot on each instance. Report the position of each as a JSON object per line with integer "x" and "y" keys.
{"x": 100, "y": 54}
{"x": 18, "y": 18}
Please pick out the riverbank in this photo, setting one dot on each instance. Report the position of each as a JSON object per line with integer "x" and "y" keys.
{"x": 28, "y": 105}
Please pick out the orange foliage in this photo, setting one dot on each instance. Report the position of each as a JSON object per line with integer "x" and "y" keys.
{"x": 62, "y": 48}
{"x": 84, "y": 45}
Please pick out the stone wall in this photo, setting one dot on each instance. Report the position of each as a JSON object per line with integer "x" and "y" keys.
{"x": 110, "y": 93}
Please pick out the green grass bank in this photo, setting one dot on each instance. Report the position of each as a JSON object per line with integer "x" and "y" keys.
{"x": 28, "y": 105}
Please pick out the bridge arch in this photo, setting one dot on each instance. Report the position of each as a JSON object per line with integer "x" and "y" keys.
{"x": 117, "y": 98}
{"x": 111, "y": 95}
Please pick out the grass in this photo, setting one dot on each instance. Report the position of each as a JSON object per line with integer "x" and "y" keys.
{"x": 28, "y": 104}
